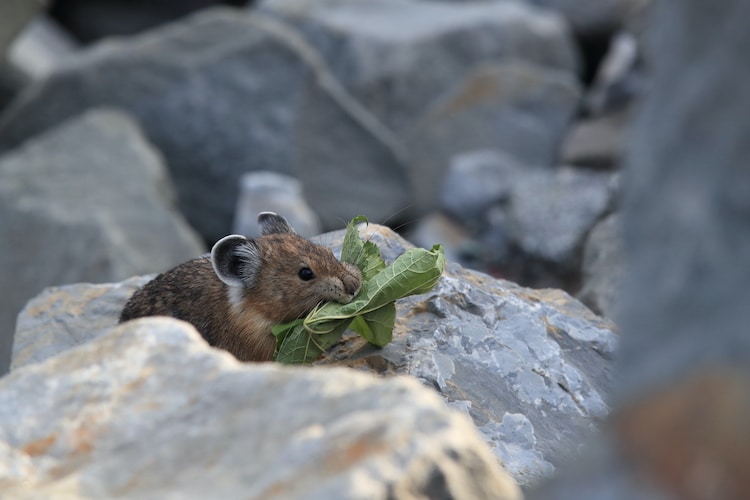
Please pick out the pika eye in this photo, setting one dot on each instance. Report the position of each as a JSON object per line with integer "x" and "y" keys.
{"x": 306, "y": 274}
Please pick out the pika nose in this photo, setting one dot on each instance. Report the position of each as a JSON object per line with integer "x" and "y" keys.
{"x": 353, "y": 280}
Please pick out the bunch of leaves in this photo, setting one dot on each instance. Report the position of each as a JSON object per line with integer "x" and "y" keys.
{"x": 372, "y": 313}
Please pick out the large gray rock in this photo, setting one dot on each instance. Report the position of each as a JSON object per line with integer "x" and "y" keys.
{"x": 398, "y": 56}
{"x": 218, "y": 94}
{"x": 531, "y": 367}
{"x": 511, "y": 357}
{"x": 475, "y": 182}
{"x": 597, "y": 142}
{"x": 687, "y": 200}
{"x": 87, "y": 201}
{"x": 150, "y": 411}
{"x": 91, "y": 310}
{"x": 520, "y": 109}
{"x": 550, "y": 213}
{"x": 683, "y": 376}
{"x": 41, "y": 47}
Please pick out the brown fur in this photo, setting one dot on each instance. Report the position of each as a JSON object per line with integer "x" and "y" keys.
{"x": 240, "y": 320}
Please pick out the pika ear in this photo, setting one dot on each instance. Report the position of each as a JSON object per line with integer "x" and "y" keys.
{"x": 236, "y": 260}
{"x": 271, "y": 223}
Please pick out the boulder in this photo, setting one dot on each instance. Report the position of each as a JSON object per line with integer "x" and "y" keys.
{"x": 41, "y": 47}
{"x": 398, "y": 56}
{"x": 91, "y": 310}
{"x": 602, "y": 267}
{"x": 454, "y": 238}
{"x": 218, "y": 94}
{"x": 597, "y": 142}
{"x": 521, "y": 109}
{"x": 550, "y": 213}
{"x": 148, "y": 410}
{"x": 475, "y": 182}
{"x": 87, "y": 201}
{"x": 531, "y": 367}
{"x": 682, "y": 405}
{"x": 264, "y": 191}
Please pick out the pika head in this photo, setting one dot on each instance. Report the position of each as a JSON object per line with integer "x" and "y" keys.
{"x": 282, "y": 275}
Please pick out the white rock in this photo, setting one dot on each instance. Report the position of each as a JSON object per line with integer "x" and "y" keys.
{"x": 150, "y": 411}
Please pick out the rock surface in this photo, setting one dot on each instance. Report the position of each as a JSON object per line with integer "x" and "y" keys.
{"x": 550, "y": 213}
{"x": 603, "y": 265}
{"x": 264, "y": 191}
{"x": 527, "y": 224}
{"x": 87, "y": 201}
{"x": 398, "y": 56}
{"x": 475, "y": 182}
{"x": 150, "y": 411}
{"x": 41, "y": 48}
{"x": 520, "y": 109}
{"x": 511, "y": 357}
{"x": 682, "y": 405}
{"x": 531, "y": 367}
{"x": 688, "y": 199}
{"x": 597, "y": 142}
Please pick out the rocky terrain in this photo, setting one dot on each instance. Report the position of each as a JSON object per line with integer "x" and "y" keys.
{"x": 506, "y": 356}
{"x": 487, "y": 126}
{"x": 556, "y": 148}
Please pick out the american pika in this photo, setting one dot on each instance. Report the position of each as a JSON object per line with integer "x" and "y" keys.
{"x": 246, "y": 286}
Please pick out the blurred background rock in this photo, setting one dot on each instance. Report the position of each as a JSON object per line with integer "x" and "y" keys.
{"x": 495, "y": 126}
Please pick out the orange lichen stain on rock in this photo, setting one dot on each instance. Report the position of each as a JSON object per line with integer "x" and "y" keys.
{"x": 59, "y": 298}
{"x": 336, "y": 461}
{"x": 482, "y": 88}
{"x": 39, "y": 446}
{"x": 421, "y": 307}
{"x": 551, "y": 329}
{"x": 480, "y": 280}
{"x": 567, "y": 305}
{"x": 83, "y": 439}
{"x": 136, "y": 383}
{"x": 346, "y": 458}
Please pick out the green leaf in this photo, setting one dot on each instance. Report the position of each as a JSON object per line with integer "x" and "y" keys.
{"x": 364, "y": 254}
{"x": 372, "y": 313}
{"x": 376, "y": 326}
{"x": 296, "y": 345}
{"x": 416, "y": 271}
